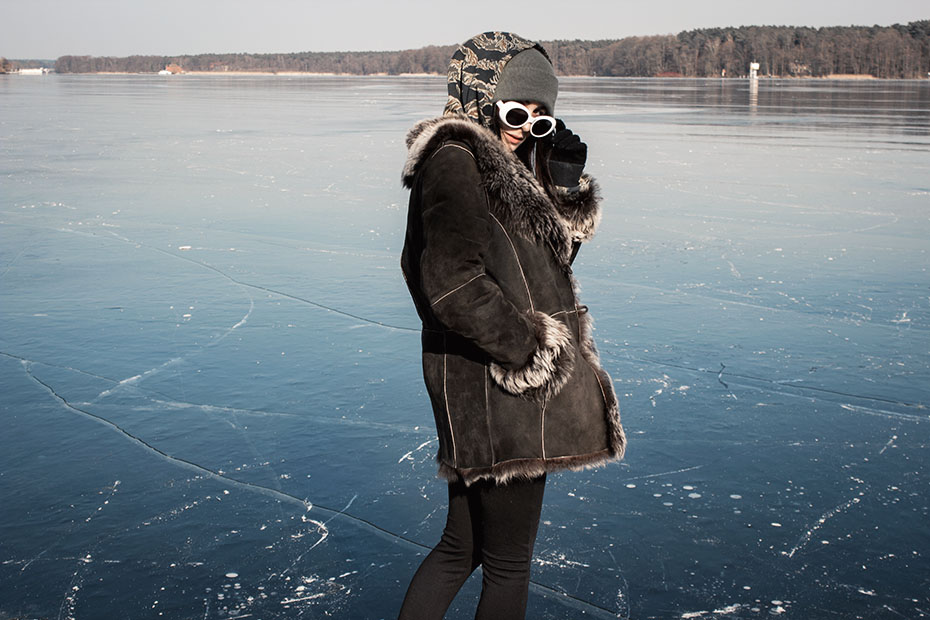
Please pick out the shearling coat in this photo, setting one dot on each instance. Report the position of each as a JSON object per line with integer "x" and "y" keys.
{"x": 510, "y": 366}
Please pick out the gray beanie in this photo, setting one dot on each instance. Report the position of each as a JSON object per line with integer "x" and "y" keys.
{"x": 528, "y": 76}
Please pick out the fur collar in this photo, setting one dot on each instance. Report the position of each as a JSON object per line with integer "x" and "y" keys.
{"x": 516, "y": 198}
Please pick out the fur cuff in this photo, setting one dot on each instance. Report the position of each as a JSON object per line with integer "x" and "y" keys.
{"x": 549, "y": 367}
{"x": 580, "y": 208}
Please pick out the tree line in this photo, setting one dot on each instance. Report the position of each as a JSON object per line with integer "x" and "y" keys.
{"x": 8, "y": 65}
{"x": 898, "y": 51}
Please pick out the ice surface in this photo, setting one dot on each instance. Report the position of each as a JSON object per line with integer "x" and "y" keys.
{"x": 211, "y": 393}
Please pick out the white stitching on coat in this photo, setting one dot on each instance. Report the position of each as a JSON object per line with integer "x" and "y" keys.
{"x": 455, "y": 146}
{"x": 444, "y": 295}
{"x": 487, "y": 415}
{"x": 542, "y": 429}
{"x": 445, "y": 398}
{"x": 517, "y": 258}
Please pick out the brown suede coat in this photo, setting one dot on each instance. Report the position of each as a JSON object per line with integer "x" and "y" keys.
{"x": 509, "y": 362}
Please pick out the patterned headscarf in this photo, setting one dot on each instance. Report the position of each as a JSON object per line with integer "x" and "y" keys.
{"x": 475, "y": 70}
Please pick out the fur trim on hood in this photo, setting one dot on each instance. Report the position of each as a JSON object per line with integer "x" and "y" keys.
{"x": 517, "y": 197}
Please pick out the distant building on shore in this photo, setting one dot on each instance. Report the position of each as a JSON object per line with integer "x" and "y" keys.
{"x": 172, "y": 69}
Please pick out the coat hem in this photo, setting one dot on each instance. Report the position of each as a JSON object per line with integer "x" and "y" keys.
{"x": 527, "y": 468}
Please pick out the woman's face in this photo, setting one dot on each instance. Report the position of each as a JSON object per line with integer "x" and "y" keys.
{"x": 513, "y": 138}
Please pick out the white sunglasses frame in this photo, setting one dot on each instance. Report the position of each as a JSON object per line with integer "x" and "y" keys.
{"x": 503, "y": 108}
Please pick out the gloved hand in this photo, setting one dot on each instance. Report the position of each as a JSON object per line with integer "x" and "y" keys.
{"x": 569, "y": 153}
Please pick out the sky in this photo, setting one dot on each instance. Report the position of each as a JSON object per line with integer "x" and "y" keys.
{"x": 47, "y": 29}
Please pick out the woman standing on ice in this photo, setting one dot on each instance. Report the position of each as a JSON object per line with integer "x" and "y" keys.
{"x": 498, "y": 208}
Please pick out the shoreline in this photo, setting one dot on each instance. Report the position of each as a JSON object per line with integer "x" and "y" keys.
{"x": 834, "y": 77}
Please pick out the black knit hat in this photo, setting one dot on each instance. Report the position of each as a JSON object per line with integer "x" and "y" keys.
{"x": 528, "y": 76}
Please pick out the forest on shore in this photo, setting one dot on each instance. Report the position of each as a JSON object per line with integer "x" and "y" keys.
{"x": 897, "y": 51}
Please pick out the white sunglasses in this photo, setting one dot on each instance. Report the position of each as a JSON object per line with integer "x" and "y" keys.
{"x": 515, "y": 115}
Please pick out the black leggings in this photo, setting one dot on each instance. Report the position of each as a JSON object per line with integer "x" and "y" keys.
{"x": 490, "y": 525}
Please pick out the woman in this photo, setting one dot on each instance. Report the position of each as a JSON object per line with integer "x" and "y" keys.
{"x": 498, "y": 208}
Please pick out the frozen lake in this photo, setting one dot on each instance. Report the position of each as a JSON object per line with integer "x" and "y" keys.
{"x": 210, "y": 387}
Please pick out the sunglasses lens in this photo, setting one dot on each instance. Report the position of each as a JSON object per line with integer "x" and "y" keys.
{"x": 542, "y": 127}
{"x": 516, "y": 117}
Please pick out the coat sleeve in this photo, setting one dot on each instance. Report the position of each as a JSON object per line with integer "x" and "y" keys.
{"x": 525, "y": 347}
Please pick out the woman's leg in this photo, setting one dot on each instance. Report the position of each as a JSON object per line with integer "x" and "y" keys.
{"x": 509, "y": 519}
{"x": 448, "y": 565}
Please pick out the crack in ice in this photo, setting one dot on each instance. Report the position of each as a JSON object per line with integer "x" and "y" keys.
{"x": 277, "y": 292}
{"x": 812, "y": 388}
{"x": 806, "y": 537}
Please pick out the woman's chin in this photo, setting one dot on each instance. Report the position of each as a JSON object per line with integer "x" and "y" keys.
{"x": 510, "y": 141}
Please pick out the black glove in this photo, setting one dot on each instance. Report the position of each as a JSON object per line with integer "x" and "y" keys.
{"x": 569, "y": 153}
